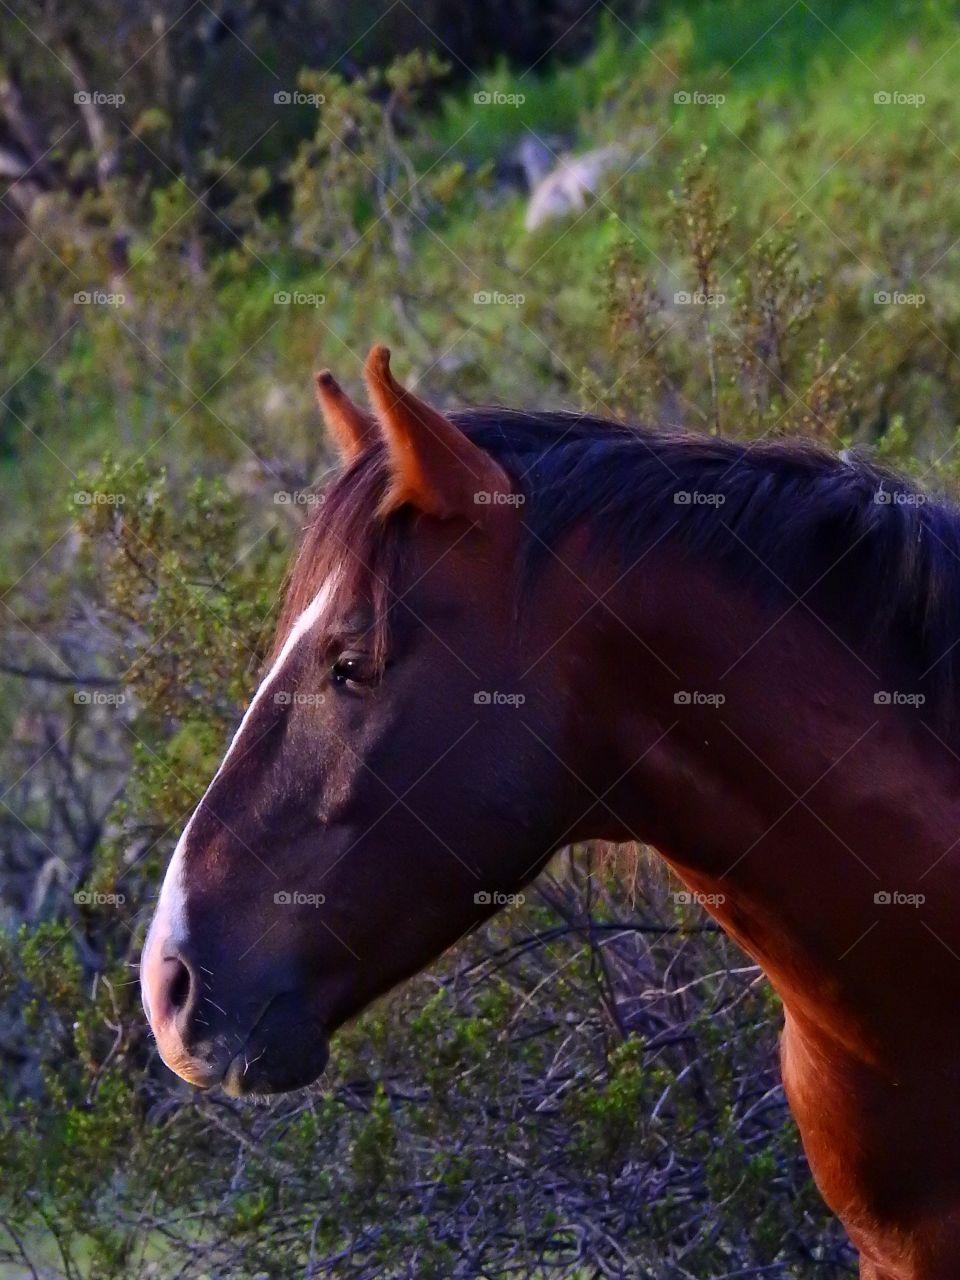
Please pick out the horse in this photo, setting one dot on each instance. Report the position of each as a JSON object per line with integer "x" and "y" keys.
{"x": 504, "y": 632}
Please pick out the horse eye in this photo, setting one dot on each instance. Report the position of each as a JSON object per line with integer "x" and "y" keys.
{"x": 353, "y": 669}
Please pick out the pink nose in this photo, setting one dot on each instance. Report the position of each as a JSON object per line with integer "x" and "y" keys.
{"x": 166, "y": 983}
{"x": 170, "y": 992}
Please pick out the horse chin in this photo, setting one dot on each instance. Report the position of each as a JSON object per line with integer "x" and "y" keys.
{"x": 284, "y": 1051}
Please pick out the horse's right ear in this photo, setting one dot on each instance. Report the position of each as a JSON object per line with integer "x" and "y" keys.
{"x": 351, "y": 427}
{"x": 434, "y": 467}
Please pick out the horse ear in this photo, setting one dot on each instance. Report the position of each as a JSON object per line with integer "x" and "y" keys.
{"x": 351, "y": 427}
{"x": 434, "y": 466}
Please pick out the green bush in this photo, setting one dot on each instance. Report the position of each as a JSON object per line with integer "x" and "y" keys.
{"x": 590, "y": 1082}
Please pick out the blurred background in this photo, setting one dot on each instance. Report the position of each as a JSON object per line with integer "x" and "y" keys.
{"x": 729, "y": 217}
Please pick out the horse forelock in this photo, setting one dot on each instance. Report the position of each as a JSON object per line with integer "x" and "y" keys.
{"x": 348, "y": 550}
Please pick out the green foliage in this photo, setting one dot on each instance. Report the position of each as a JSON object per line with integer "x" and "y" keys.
{"x": 503, "y": 1113}
{"x": 354, "y": 181}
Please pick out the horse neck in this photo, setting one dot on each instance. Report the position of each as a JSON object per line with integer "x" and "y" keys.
{"x": 744, "y": 743}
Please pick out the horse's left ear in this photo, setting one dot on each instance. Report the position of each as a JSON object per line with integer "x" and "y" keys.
{"x": 352, "y": 429}
{"x": 434, "y": 466}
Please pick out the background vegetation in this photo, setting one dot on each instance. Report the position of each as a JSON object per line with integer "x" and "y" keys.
{"x": 589, "y": 1086}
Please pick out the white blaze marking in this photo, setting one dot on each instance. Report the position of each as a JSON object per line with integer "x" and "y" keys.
{"x": 170, "y": 918}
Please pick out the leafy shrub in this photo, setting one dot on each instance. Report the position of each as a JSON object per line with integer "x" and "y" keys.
{"x": 587, "y": 1086}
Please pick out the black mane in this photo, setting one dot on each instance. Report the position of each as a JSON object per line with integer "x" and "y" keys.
{"x": 868, "y": 552}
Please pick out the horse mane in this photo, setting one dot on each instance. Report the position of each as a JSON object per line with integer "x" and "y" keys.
{"x": 866, "y": 550}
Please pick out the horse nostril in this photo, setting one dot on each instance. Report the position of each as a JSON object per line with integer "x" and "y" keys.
{"x": 178, "y": 984}
{"x": 170, "y": 985}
